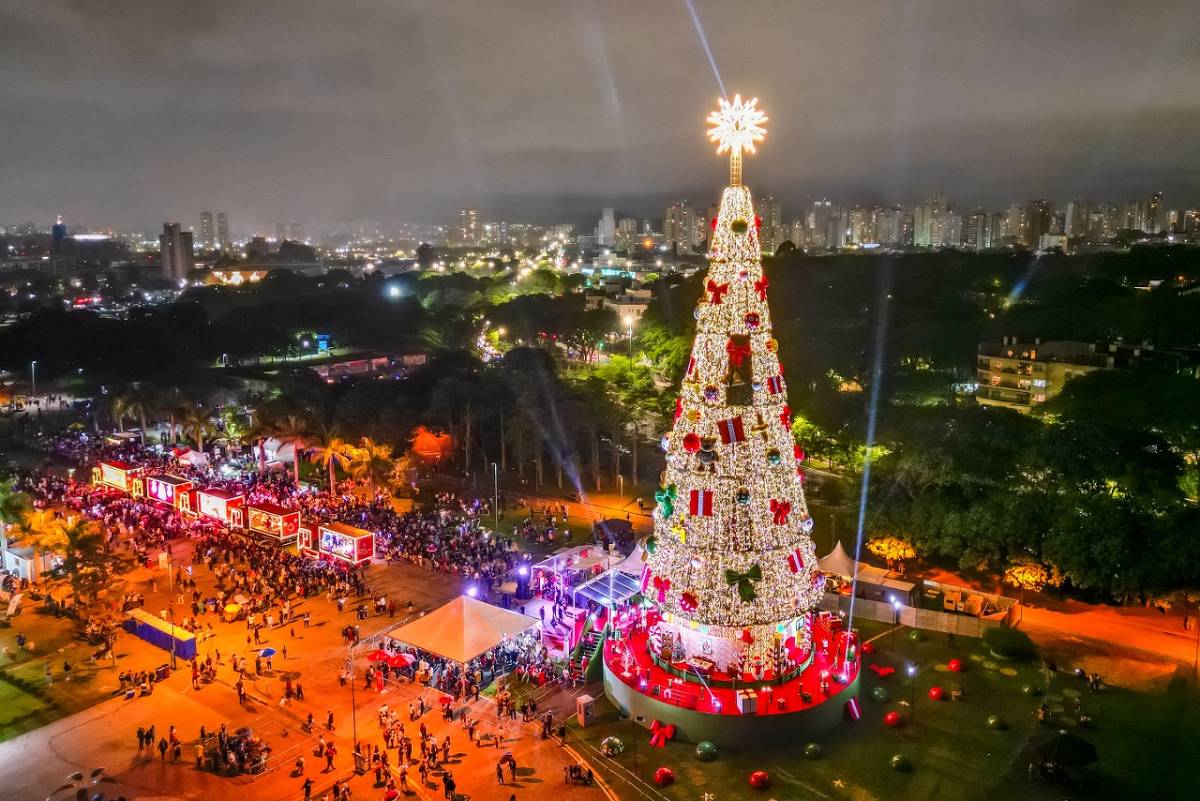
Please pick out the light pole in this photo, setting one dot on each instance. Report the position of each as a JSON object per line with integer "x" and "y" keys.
{"x": 896, "y": 610}
{"x": 358, "y": 767}
{"x": 629, "y": 328}
{"x": 496, "y": 495}
{"x": 912, "y": 700}
{"x": 33, "y": 377}
{"x": 621, "y": 481}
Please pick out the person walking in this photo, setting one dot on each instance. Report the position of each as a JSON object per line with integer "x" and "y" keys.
{"x": 308, "y": 785}
{"x": 162, "y": 749}
{"x": 500, "y": 773}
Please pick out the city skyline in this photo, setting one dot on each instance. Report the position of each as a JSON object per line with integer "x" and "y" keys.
{"x": 992, "y": 107}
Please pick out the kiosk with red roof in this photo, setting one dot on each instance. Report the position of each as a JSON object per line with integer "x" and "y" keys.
{"x": 168, "y": 490}
{"x": 347, "y": 544}
{"x": 119, "y": 476}
{"x": 273, "y": 521}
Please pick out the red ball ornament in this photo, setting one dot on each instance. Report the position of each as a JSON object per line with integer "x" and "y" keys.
{"x": 892, "y": 719}
{"x": 664, "y": 776}
{"x": 760, "y": 780}
{"x": 935, "y": 693}
{"x": 691, "y": 442}
{"x": 688, "y": 602}
{"x": 868, "y": 648}
{"x": 955, "y": 665}
{"x": 800, "y": 454}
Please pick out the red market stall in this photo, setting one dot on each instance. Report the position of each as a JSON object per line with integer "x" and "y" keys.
{"x": 347, "y": 544}
{"x": 273, "y": 521}
{"x": 220, "y": 505}
{"x": 168, "y": 490}
{"x": 119, "y": 476}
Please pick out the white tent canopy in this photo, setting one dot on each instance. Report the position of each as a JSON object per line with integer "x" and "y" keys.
{"x": 463, "y": 629}
{"x": 838, "y": 562}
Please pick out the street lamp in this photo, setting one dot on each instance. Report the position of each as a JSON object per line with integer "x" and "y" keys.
{"x": 33, "y": 377}
{"x": 912, "y": 701}
{"x": 496, "y": 495}
{"x": 896, "y": 610}
{"x": 629, "y": 328}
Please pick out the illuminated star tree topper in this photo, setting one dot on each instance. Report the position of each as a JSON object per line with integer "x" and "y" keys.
{"x": 735, "y": 128}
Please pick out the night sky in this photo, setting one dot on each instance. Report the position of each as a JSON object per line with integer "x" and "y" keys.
{"x": 126, "y": 113}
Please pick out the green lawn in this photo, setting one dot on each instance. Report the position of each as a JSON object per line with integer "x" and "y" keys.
{"x": 1148, "y": 742}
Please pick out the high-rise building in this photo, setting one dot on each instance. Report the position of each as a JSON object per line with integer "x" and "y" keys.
{"x": 770, "y": 216}
{"x": 208, "y": 233}
{"x": 679, "y": 226}
{"x": 835, "y": 228}
{"x": 1036, "y": 221}
{"x": 224, "y": 242}
{"x": 1155, "y": 218}
{"x": 175, "y": 248}
{"x": 627, "y": 233}
{"x": 1113, "y": 220}
{"x": 1013, "y": 222}
{"x": 979, "y": 229}
{"x": 818, "y": 222}
{"x": 280, "y": 232}
{"x": 296, "y": 232}
{"x": 799, "y": 233}
{"x": 470, "y": 233}
{"x": 1077, "y": 219}
{"x": 889, "y": 226}
{"x": 929, "y": 222}
{"x": 862, "y": 225}
{"x": 606, "y": 231}
{"x": 58, "y": 232}
{"x": 1137, "y": 215}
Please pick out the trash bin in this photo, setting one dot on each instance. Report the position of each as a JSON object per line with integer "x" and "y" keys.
{"x": 162, "y": 672}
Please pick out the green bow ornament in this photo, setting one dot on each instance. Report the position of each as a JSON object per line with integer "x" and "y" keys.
{"x": 744, "y": 582}
{"x": 666, "y": 500}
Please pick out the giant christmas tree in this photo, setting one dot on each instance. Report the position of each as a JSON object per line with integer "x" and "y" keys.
{"x": 731, "y": 566}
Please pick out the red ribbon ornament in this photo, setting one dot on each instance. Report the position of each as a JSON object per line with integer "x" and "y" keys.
{"x": 781, "y": 510}
{"x": 737, "y": 353}
{"x": 662, "y": 585}
{"x": 717, "y": 291}
{"x": 760, "y": 286}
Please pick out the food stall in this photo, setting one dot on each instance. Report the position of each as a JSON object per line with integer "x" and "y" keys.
{"x": 221, "y": 505}
{"x": 167, "y": 489}
{"x": 347, "y": 544}
{"x": 273, "y": 521}
{"x": 119, "y": 476}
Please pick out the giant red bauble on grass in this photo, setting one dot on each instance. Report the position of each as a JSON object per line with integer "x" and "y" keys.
{"x": 664, "y": 776}
{"x": 760, "y": 780}
{"x": 892, "y": 719}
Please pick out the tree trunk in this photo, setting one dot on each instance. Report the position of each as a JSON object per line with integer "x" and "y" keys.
{"x": 503, "y": 444}
{"x": 142, "y": 417}
{"x": 332, "y": 481}
{"x": 633, "y": 455}
{"x": 171, "y": 422}
{"x": 616, "y": 453}
{"x": 467, "y": 443}
{"x": 296, "y": 459}
{"x": 521, "y": 458}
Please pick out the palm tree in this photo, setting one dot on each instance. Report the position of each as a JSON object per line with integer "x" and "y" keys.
{"x": 85, "y": 556}
{"x": 371, "y": 461}
{"x": 332, "y": 453}
{"x": 197, "y": 421}
{"x": 291, "y": 428}
{"x": 13, "y": 506}
{"x": 139, "y": 401}
{"x": 41, "y": 530}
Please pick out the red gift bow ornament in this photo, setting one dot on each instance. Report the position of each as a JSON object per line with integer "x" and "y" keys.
{"x": 688, "y": 602}
{"x": 662, "y": 585}
{"x": 678, "y": 408}
{"x": 781, "y": 510}
{"x": 785, "y": 416}
{"x": 717, "y": 291}
{"x": 760, "y": 286}
{"x": 747, "y": 637}
{"x": 737, "y": 353}
{"x": 660, "y": 733}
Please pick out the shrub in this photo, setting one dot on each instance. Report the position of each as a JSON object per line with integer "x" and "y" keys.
{"x": 1008, "y": 643}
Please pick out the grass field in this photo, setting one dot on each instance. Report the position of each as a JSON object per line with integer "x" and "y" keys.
{"x": 1148, "y": 740}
